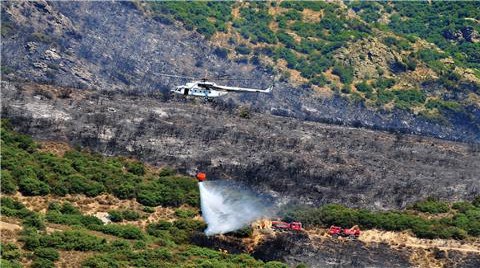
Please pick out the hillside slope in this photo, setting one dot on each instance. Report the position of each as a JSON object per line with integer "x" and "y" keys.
{"x": 65, "y": 207}
{"x": 298, "y": 161}
{"x": 125, "y": 46}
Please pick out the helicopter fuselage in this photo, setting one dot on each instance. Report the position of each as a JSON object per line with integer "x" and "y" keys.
{"x": 210, "y": 90}
{"x": 194, "y": 89}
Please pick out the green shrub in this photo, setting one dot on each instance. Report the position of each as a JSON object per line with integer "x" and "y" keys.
{"x": 244, "y": 113}
{"x": 10, "y": 251}
{"x": 344, "y": 72}
{"x": 47, "y": 253}
{"x": 405, "y": 99}
{"x": 189, "y": 225}
{"x": 30, "y": 187}
{"x": 7, "y": 183}
{"x": 463, "y": 206}
{"x": 319, "y": 80}
{"x": 431, "y": 206}
{"x": 35, "y": 221}
{"x": 169, "y": 191}
{"x": 156, "y": 229}
{"x": 73, "y": 240}
{"x": 167, "y": 172}
{"x": 293, "y": 15}
{"x": 31, "y": 238}
{"x": 120, "y": 215}
{"x": 42, "y": 263}
{"x": 286, "y": 39}
{"x": 13, "y": 208}
{"x": 384, "y": 83}
{"x": 125, "y": 190}
{"x": 68, "y": 208}
{"x": 443, "y": 105}
{"x": 147, "y": 209}
{"x": 243, "y": 50}
{"x": 476, "y": 201}
{"x": 78, "y": 184}
{"x": 127, "y": 231}
{"x": 137, "y": 168}
{"x": 115, "y": 215}
{"x": 364, "y": 87}
{"x": 185, "y": 213}
{"x": 246, "y": 231}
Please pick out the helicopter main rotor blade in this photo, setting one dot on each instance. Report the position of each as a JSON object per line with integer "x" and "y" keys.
{"x": 234, "y": 79}
{"x": 177, "y": 76}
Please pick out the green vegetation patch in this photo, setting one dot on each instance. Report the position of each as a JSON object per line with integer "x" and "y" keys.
{"x": 205, "y": 17}
{"x": 310, "y": 46}
{"x": 33, "y": 172}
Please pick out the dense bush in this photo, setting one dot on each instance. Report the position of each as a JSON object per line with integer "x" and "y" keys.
{"x": 47, "y": 253}
{"x": 7, "y": 183}
{"x": 72, "y": 240}
{"x": 120, "y": 215}
{"x": 243, "y": 50}
{"x": 169, "y": 191}
{"x": 32, "y": 186}
{"x": 127, "y": 231}
{"x": 73, "y": 219}
{"x": 364, "y": 87}
{"x": 9, "y": 251}
{"x": 42, "y": 263}
{"x": 34, "y": 220}
{"x": 406, "y": 99}
{"x": 13, "y": 208}
{"x": 344, "y": 72}
{"x": 179, "y": 231}
{"x": 205, "y": 17}
{"x": 156, "y": 229}
{"x": 135, "y": 167}
{"x": 431, "y": 206}
{"x": 185, "y": 213}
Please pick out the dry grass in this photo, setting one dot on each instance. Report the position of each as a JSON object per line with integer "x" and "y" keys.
{"x": 312, "y": 16}
{"x": 54, "y": 147}
{"x": 395, "y": 239}
{"x": 72, "y": 258}
{"x": 295, "y": 77}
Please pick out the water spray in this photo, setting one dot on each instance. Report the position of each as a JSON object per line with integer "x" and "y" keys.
{"x": 228, "y": 206}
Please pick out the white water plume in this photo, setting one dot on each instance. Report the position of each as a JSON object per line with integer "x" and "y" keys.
{"x": 227, "y": 206}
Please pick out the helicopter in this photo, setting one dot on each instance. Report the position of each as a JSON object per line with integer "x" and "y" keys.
{"x": 209, "y": 90}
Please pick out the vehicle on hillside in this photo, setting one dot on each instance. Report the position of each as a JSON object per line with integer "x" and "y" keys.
{"x": 285, "y": 226}
{"x": 336, "y": 231}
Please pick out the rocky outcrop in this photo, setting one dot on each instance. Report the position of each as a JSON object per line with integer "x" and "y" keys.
{"x": 294, "y": 160}
{"x": 466, "y": 33}
{"x": 368, "y": 56}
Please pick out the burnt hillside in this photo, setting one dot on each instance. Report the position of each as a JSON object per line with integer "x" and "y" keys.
{"x": 120, "y": 47}
{"x": 297, "y": 161}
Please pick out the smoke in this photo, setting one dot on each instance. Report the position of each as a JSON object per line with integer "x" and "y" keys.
{"x": 228, "y": 206}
